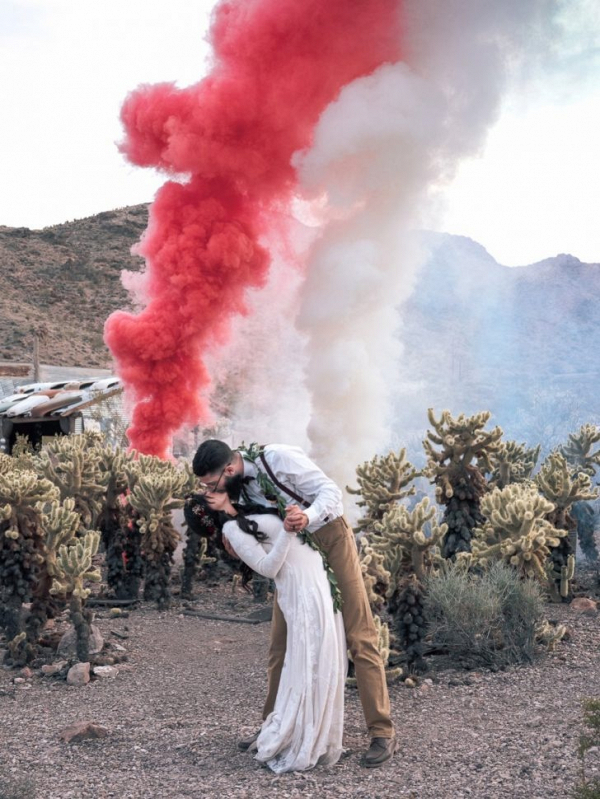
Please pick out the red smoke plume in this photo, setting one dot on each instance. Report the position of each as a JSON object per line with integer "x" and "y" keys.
{"x": 277, "y": 65}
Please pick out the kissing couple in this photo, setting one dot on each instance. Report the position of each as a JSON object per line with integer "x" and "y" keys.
{"x": 283, "y": 517}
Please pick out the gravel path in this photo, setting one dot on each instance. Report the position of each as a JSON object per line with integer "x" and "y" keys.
{"x": 191, "y": 686}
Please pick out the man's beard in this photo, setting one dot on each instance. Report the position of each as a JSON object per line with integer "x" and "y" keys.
{"x": 234, "y": 486}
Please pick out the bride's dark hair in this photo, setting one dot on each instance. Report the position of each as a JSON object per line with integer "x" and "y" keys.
{"x": 219, "y": 518}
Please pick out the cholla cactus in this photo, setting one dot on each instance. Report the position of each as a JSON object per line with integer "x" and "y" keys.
{"x": 408, "y": 540}
{"x": 72, "y": 463}
{"x": 73, "y": 568}
{"x": 121, "y": 544}
{"x": 6, "y": 464}
{"x": 458, "y": 449}
{"x": 21, "y": 541}
{"x": 517, "y": 531}
{"x": 60, "y": 524}
{"x": 410, "y": 624}
{"x": 23, "y": 455}
{"x": 375, "y": 576}
{"x": 402, "y": 551}
{"x": 382, "y": 482}
{"x": 513, "y": 463}
{"x": 549, "y": 635}
{"x": 157, "y": 489}
{"x": 563, "y": 487}
{"x": 578, "y": 453}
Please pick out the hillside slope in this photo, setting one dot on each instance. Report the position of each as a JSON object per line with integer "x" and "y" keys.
{"x": 66, "y": 277}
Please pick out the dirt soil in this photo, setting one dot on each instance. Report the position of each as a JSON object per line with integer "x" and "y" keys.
{"x": 191, "y": 686}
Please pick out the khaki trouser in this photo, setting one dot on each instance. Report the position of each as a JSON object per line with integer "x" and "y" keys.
{"x": 337, "y": 540}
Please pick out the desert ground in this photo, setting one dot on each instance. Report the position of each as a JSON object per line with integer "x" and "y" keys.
{"x": 190, "y": 686}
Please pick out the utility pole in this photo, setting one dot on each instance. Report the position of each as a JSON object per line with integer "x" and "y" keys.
{"x": 40, "y": 336}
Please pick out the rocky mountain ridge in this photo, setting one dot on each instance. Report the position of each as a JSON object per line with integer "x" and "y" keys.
{"x": 521, "y": 341}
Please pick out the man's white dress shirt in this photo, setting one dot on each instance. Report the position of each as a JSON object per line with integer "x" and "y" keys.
{"x": 294, "y": 469}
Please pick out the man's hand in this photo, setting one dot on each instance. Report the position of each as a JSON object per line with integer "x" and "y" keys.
{"x": 219, "y": 500}
{"x": 295, "y": 519}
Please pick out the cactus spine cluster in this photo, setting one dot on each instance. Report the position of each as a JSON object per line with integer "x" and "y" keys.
{"x": 517, "y": 531}
{"x": 72, "y": 463}
{"x": 512, "y": 463}
{"x": 559, "y": 483}
{"x": 382, "y": 483}
{"x": 408, "y": 540}
{"x": 459, "y": 451}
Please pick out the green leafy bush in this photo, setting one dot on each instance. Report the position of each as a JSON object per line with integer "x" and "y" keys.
{"x": 487, "y": 619}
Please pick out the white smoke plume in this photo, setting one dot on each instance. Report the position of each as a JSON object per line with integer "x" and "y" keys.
{"x": 380, "y": 152}
{"x": 260, "y": 373}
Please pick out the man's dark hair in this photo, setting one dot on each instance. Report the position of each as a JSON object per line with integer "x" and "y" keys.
{"x": 211, "y": 456}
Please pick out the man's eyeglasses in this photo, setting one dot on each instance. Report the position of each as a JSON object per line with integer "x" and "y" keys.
{"x": 211, "y": 488}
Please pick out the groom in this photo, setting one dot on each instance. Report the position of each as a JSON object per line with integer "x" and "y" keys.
{"x": 314, "y": 503}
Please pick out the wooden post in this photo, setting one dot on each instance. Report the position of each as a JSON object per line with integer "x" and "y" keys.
{"x": 36, "y": 358}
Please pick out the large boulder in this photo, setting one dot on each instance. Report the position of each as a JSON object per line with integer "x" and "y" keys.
{"x": 67, "y": 647}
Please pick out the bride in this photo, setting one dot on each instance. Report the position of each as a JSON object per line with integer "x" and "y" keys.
{"x": 306, "y": 725}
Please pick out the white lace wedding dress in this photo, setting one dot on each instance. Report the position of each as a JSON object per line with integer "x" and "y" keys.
{"x": 306, "y": 725}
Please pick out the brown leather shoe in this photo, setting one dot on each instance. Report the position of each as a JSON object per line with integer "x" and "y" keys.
{"x": 381, "y": 749}
{"x": 246, "y": 743}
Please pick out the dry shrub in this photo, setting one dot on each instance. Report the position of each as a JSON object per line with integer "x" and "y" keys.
{"x": 484, "y": 620}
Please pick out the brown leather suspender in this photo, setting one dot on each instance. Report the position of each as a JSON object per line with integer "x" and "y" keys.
{"x": 279, "y": 485}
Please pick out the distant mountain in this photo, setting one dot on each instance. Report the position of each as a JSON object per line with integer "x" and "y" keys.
{"x": 66, "y": 277}
{"x": 523, "y": 342}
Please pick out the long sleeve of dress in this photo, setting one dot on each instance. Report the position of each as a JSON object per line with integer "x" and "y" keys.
{"x": 254, "y": 554}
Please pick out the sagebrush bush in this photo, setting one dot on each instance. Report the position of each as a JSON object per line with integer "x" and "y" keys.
{"x": 486, "y": 619}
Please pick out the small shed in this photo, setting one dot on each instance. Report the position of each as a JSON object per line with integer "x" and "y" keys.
{"x": 43, "y": 410}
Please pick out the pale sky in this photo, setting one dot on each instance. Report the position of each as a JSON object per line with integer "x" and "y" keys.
{"x": 67, "y": 65}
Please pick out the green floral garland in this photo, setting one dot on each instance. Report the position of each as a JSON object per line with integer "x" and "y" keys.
{"x": 269, "y": 489}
